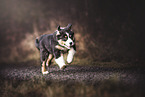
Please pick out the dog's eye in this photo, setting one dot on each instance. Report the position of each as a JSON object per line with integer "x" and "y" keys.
{"x": 65, "y": 36}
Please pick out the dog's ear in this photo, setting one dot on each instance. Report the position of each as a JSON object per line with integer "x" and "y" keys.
{"x": 58, "y": 28}
{"x": 69, "y": 26}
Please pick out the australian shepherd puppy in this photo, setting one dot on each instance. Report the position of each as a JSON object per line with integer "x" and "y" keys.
{"x": 54, "y": 46}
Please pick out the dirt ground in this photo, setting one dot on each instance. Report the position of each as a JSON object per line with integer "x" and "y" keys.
{"x": 74, "y": 73}
{"x": 75, "y": 81}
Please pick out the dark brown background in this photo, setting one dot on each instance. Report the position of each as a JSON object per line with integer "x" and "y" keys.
{"x": 104, "y": 30}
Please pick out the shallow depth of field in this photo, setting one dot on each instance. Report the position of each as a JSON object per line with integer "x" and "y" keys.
{"x": 104, "y": 31}
{"x": 107, "y": 33}
{"x": 42, "y": 88}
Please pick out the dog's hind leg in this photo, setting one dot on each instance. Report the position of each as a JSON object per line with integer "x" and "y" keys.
{"x": 48, "y": 62}
{"x": 43, "y": 57}
{"x": 43, "y": 68}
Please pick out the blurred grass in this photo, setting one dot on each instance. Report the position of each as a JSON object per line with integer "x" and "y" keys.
{"x": 43, "y": 88}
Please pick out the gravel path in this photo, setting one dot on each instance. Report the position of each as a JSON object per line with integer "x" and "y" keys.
{"x": 73, "y": 73}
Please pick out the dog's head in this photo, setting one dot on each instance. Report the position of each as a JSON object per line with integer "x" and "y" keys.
{"x": 65, "y": 36}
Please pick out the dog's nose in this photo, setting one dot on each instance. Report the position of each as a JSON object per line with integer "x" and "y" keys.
{"x": 70, "y": 43}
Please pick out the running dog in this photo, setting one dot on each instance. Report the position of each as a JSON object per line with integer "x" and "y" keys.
{"x": 54, "y": 46}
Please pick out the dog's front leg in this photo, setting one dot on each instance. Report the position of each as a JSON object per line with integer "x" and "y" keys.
{"x": 70, "y": 56}
{"x": 60, "y": 61}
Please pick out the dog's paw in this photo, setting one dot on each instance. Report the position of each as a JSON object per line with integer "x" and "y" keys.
{"x": 63, "y": 67}
{"x": 45, "y": 72}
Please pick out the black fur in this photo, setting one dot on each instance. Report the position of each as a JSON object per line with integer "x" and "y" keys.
{"x": 46, "y": 45}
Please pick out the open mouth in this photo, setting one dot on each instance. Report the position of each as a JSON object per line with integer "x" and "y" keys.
{"x": 64, "y": 44}
{"x": 68, "y": 47}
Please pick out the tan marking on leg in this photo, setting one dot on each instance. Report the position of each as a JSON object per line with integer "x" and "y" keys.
{"x": 43, "y": 68}
{"x": 49, "y": 59}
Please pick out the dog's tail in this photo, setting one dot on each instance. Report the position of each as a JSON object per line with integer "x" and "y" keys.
{"x": 37, "y": 43}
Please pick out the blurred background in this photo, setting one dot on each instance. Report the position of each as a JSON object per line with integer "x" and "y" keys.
{"x": 105, "y": 31}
